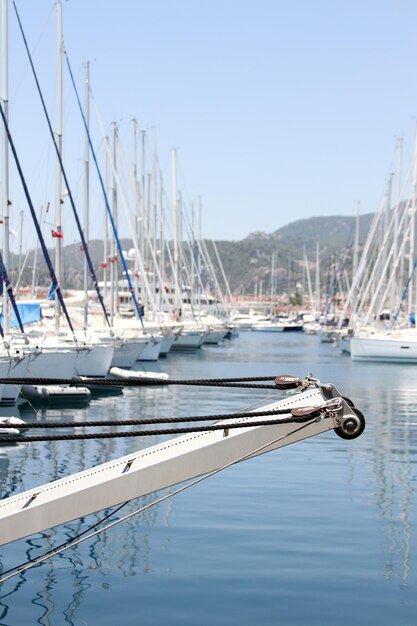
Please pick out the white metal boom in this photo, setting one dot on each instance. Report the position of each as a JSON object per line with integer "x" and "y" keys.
{"x": 169, "y": 463}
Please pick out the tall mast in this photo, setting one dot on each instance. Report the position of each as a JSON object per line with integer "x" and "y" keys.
{"x": 5, "y": 159}
{"x": 143, "y": 190}
{"x": 86, "y": 184}
{"x": 161, "y": 237}
{"x": 397, "y": 283}
{"x": 17, "y": 294}
{"x": 317, "y": 307}
{"x": 154, "y": 203}
{"x": 35, "y": 260}
{"x": 176, "y": 232}
{"x": 412, "y": 229}
{"x": 272, "y": 284}
{"x": 58, "y": 175}
{"x": 355, "y": 259}
{"x": 136, "y": 198}
{"x": 113, "y": 263}
{"x": 106, "y": 227}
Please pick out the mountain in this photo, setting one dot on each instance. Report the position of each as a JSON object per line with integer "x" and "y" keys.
{"x": 246, "y": 263}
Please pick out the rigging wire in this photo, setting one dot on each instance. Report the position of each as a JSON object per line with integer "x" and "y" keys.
{"x": 161, "y": 431}
{"x": 155, "y": 420}
{"x": 138, "y": 382}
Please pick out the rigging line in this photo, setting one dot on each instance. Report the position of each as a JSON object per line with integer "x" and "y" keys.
{"x": 155, "y": 420}
{"x": 113, "y": 225}
{"x": 116, "y": 382}
{"x": 198, "y": 480}
{"x": 153, "y": 433}
{"x": 61, "y": 164}
{"x": 36, "y": 223}
{"x": 139, "y": 381}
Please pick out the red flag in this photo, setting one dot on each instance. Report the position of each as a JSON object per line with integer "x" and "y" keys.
{"x": 56, "y": 234}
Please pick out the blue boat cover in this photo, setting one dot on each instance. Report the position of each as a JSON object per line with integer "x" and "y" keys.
{"x": 29, "y": 312}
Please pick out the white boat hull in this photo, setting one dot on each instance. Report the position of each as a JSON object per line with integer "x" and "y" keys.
{"x": 49, "y": 363}
{"x": 94, "y": 360}
{"x": 268, "y": 328}
{"x": 189, "y": 340}
{"x": 16, "y": 368}
{"x": 151, "y": 351}
{"x": 166, "y": 344}
{"x": 389, "y": 350}
{"x": 215, "y": 336}
{"x": 128, "y": 351}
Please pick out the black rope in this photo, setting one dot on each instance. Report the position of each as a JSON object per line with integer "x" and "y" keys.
{"x": 164, "y": 431}
{"x": 138, "y": 382}
{"x": 156, "y": 420}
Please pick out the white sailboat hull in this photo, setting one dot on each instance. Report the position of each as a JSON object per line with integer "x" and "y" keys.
{"x": 384, "y": 349}
{"x": 166, "y": 344}
{"x": 151, "y": 351}
{"x": 127, "y": 352}
{"x": 215, "y": 336}
{"x": 94, "y": 360}
{"x": 50, "y": 363}
{"x": 17, "y": 369}
{"x": 189, "y": 340}
{"x": 268, "y": 327}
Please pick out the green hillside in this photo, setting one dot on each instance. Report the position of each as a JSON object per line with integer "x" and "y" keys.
{"x": 246, "y": 263}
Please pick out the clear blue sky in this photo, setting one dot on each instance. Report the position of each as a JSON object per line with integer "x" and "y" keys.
{"x": 279, "y": 110}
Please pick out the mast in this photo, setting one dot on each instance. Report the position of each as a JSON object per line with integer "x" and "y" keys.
{"x": 397, "y": 283}
{"x": 162, "y": 238}
{"x": 176, "y": 232}
{"x": 318, "y": 277}
{"x": 272, "y": 284}
{"x": 412, "y": 230}
{"x": 17, "y": 287}
{"x": 143, "y": 189}
{"x": 58, "y": 175}
{"x": 35, "y": 260}
{"x": 154, "y": 203}
{"x": 136, "y": 198}
{"x": 355, "y": 259}
{"x": 106, "y": 227}
{"x": 86, "y": 184}
{"x": 5, "y": 155}
{"x": 113, "y": 265}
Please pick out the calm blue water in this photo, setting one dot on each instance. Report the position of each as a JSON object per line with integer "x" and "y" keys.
{"x": 322, "y": 532}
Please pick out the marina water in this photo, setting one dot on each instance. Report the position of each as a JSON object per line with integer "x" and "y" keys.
{"x": 321, "y": 532}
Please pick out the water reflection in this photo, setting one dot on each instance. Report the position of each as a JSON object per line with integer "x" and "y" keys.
{"x": 391, "y": 456}
{"x": 381, "y": 468}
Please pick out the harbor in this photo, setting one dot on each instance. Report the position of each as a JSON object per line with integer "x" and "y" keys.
{"x": 207, "y": 340}
{"x": 324, "y": 520}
